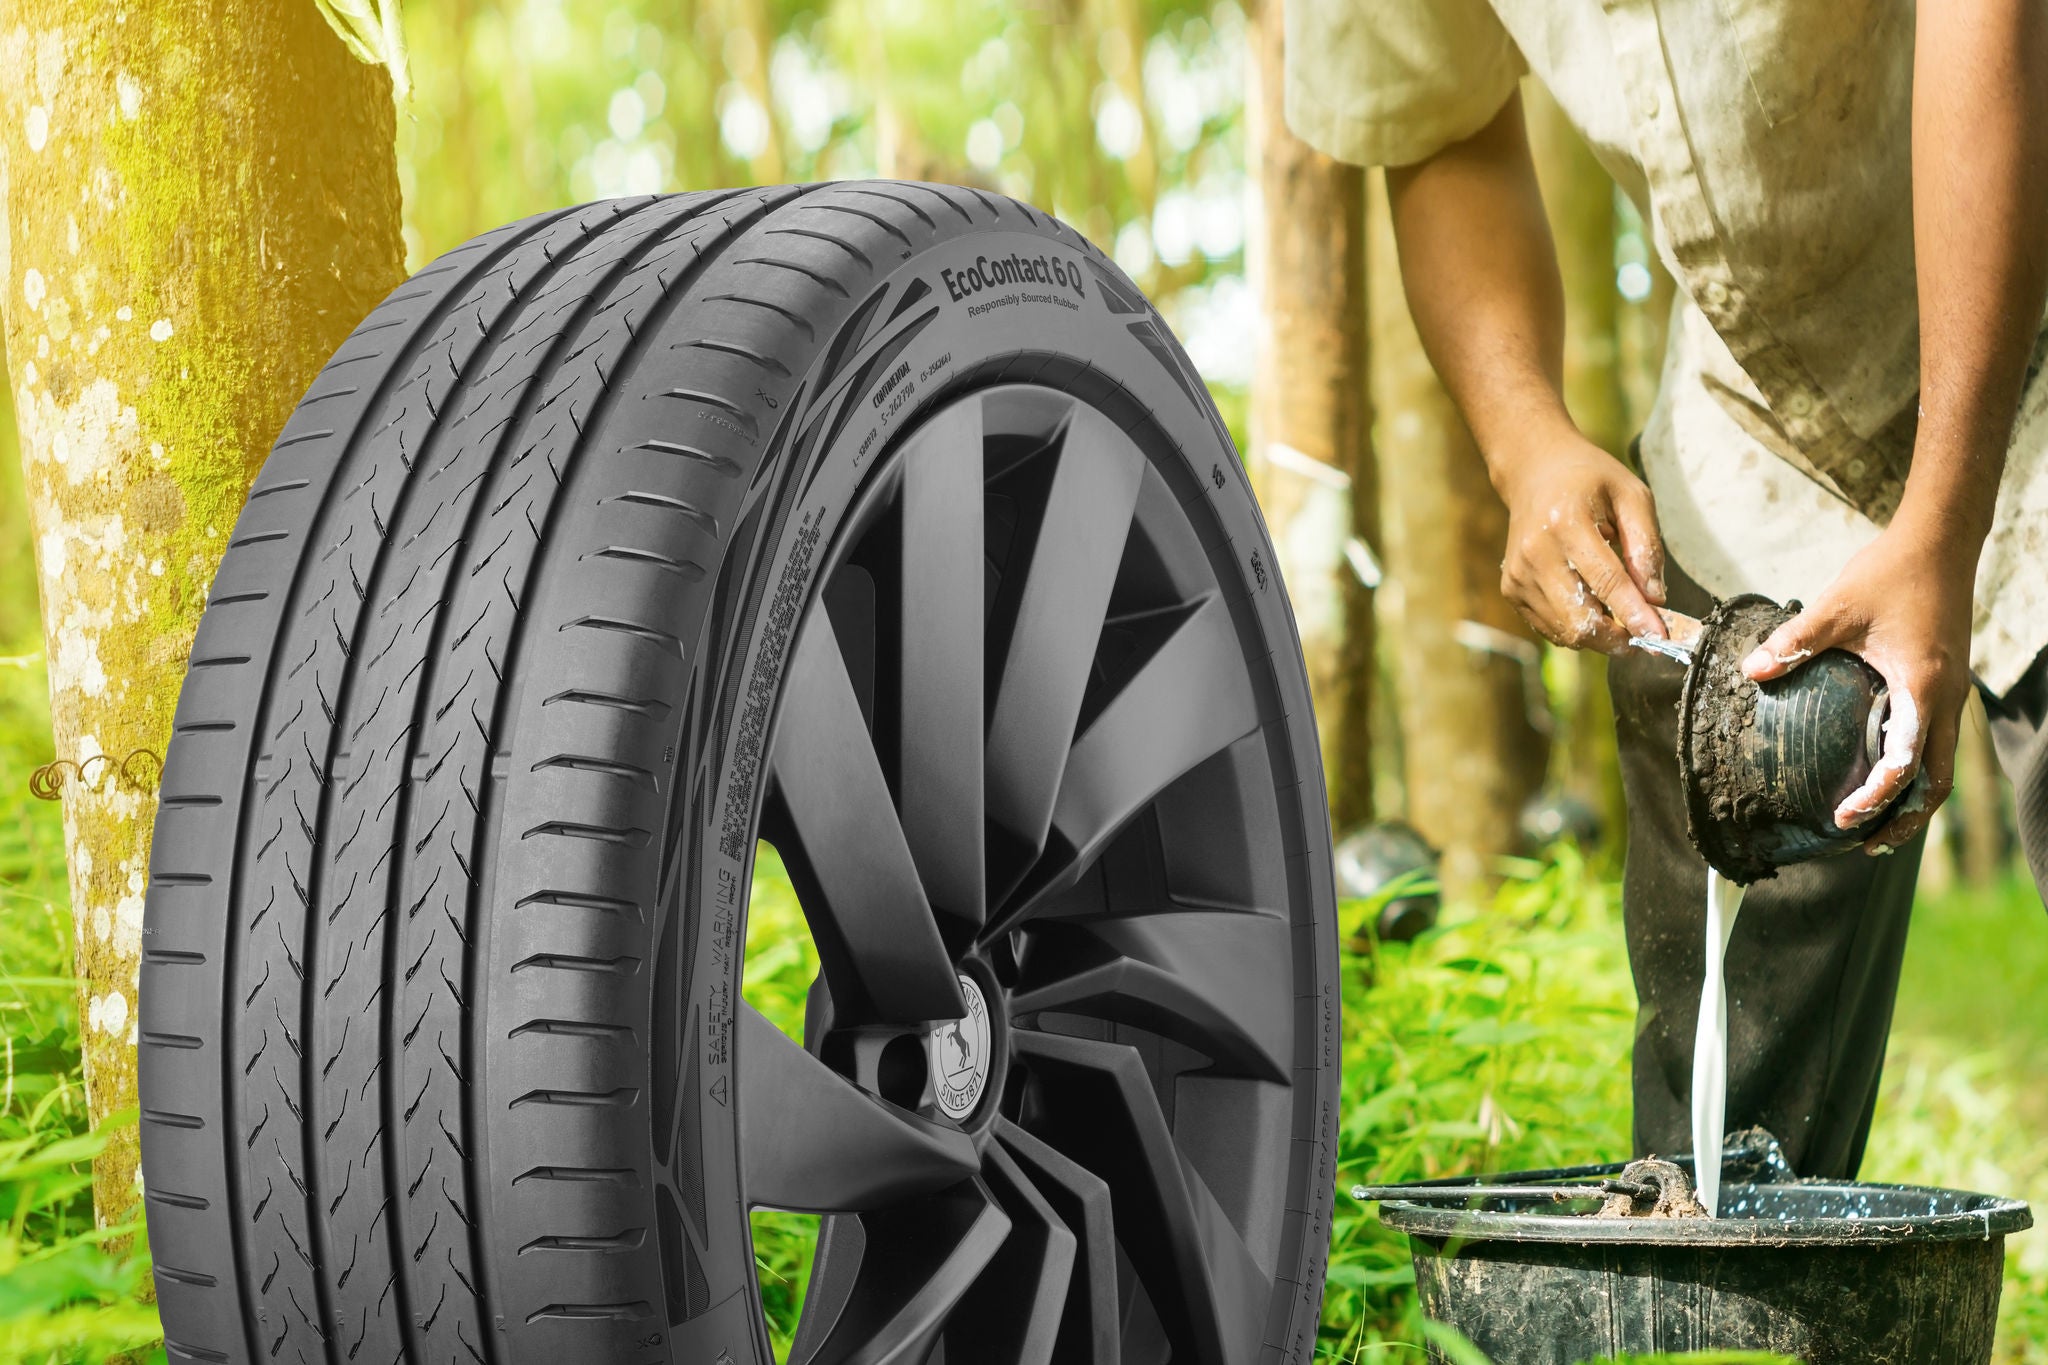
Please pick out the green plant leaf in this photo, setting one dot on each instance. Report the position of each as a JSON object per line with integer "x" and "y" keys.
{"x": 1454, "y": 1344}
{"x": 372, "y": 31}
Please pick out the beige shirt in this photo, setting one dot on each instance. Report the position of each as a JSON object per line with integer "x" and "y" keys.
{"x": 1767, "y": 142}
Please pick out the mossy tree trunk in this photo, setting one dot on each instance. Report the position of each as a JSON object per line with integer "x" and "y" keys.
{"x": 1472, "y": 749}
{"x": 200, "y": 201}
{"x": 1311, "y": 418}
{"x": 1578, "y": 196}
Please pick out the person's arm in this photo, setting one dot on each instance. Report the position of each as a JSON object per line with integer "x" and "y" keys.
{"x": 1980, "y": 235}
{"x": 1584, "y": 562}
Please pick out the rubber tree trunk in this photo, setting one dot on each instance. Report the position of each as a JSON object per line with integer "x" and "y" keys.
{"x": 200, "y": 202}
{"x": 18, "y": 626}
{"x": 1980, "y": 798}
{"x": 1473, "y": 744}
{"x": 749, "y": 41}
{"x": 1311, "y": 455}
{"x": 1645, "y": 327}
{"x": 1579, "y": 198}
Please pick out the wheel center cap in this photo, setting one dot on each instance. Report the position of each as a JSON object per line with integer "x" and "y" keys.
{"x": 958, "y": 1050}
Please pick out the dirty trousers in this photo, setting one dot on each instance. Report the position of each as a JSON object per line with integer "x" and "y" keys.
{"x": 1814, "y": 963}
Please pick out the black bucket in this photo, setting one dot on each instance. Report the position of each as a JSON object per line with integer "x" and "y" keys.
{"x": 1825, "y": 1273}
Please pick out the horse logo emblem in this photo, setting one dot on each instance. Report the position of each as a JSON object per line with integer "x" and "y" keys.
{"x": 957, "y": 1052}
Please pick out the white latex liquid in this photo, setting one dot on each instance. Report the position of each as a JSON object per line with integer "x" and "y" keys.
{"x": 1710, "y": 1043}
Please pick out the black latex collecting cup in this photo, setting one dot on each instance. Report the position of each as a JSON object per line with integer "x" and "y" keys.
{"x": 1765, "y": 765}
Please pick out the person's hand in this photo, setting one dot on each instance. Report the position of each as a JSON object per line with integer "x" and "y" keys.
{"x": 1903, "y": 604}
{"x": 1585, "y": 563}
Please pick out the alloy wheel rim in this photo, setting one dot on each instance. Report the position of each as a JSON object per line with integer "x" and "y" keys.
{"x": 1021, "y": 758}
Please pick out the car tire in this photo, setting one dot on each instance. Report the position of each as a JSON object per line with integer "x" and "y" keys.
{"x": 883, "y": 522}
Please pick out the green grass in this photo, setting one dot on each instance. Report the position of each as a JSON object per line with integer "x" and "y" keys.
{"x": 63, "y": 1297}
{"x": 1497, "y": 1041}
{"x": 781, "y": 963}
{"x": 1964, "y": 1104}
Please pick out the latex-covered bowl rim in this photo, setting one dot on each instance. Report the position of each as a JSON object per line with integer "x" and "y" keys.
{"x": 1712, "y": 842}
{"x": 1977, "y": 1217}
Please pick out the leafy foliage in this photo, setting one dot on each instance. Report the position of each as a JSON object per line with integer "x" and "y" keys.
{"x": 781, "y": 964}
{"x": 373, "y": 33}
{"x": 1498, "y": 1040}
{"x": 1963, "y": 1105}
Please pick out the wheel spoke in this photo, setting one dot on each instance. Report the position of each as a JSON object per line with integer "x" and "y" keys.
{"x": 941, "y": 720}
{"x": 1012, "y": 1315}
{"x": 1059, "y": 617}
{"x": 1089, "y": 1323}
{"x": 1219, "y": 981}
{"x": 1185, "y": 704}
{"x": 814, "y": 1142}
{"x": 1100, "y": 1108}
{"x": 889, "y": 1287}
{"x": 838, "y": 834}
{"x": 835, "y": 1271}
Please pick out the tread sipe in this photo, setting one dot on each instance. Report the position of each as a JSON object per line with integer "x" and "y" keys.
{"x": 439, "y": 993}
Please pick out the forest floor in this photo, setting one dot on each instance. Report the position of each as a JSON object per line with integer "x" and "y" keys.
{"x": 1498, "y": 1041}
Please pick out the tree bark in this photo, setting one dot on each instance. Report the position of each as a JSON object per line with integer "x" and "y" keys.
{"x": 200, "y": 202}
{"x": 1311, "y": 419}
{"x": 19, "y": 628}
{"x": 1578, "y": 196}
{"x": 1472, "y": 749}
{"x": 1980, "y": 798}
{"x": 750, "y": 22}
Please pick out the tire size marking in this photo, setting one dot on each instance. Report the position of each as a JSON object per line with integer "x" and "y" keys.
{"x": 898, "y": 390}
{"x": 887, "y": 416}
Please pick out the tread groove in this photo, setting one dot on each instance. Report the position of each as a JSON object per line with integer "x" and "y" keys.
{"x": 728, "y": 468}
{"x": 589, "y": 1099}
{"x": 817, "y": 276}
{"x": 571, "y": 1028}
{"x": 687, "y": 510}
{"x": 687, "y": 569}
{"x": 840, "y": 242}
{"x": 651, "y": 634}
{"x": 617, "y": 1175}
{"x": 752, "y": 357}
{"x": 652, "y": 707}
{"x": 618, "y": 1241}
{"x": 630, "y": 837}
{"x": 570, "y": 962}
{"x": 610, "y": 905}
